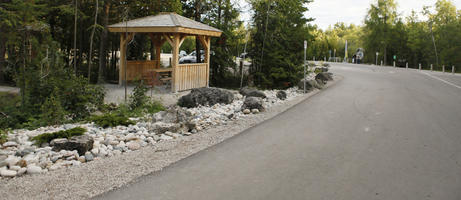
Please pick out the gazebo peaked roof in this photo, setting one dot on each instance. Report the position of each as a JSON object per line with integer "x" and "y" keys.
{"x": 165, "y": 23}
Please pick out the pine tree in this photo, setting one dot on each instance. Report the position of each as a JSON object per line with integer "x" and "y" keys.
{"x": 279, "y": 29}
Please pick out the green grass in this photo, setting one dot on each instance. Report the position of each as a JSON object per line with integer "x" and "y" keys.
{"x": 48, "y": 137}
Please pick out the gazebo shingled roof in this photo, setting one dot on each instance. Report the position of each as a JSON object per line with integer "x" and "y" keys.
{"x": 165, "y": 22}
{"x": 171, "y": 28}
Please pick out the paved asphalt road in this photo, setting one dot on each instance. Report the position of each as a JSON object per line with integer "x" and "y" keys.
{"x": 380, "y": 133}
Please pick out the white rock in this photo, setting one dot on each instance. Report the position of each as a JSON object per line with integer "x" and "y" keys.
{"x": 133, "y": 145}
{"x": 96, "y": 145}
{"x": 34, "y": 169}
{"x": 55, "y": 167}
{"x": 22, "y": 171}
{"x": 130, "y": 137}
{"x": 8, "y": 173}
{"x": 255, "y": 111}
{"x": 121, "y": 144}
{"x": 102, "y": 152}
{"x": 117, "y": 152}
{"x": 95, "y": 151}
{"x": 10, "y": 144}
{"x": 12, "y": 160}
{"x": 165, "y": 137}
{"x": 15, "y": 168}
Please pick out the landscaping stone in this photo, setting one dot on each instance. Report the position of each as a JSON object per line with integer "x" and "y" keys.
{"x": 81, "y": 143}
{"x": 10, "y": 144}
{"x": 282, "y": 95}
{"x": 133, "y": 145}
{"x": 310, "y": 84}
{"x": 89, "y": 157}
{"x": 206, "y": 97}
{"x": 246, "y": 111}
{"x": 324, "y": 77}
{"x": 252, "y": 92}
{"x": 253, "y": 103}
{"x": 8, "y": 173}
{"x": 161, "y": 127}
{"x": 33, "y": 169}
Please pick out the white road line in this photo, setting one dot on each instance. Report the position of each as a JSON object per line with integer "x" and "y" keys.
{"x": 449, "y": 83}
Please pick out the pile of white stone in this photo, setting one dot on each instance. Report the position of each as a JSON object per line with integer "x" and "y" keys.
{"x": 20, "y": 156}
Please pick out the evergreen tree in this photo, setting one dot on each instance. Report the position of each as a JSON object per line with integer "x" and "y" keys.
{"x": 279, "y": 29}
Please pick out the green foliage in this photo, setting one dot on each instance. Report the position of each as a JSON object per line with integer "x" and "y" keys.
{"x": 139, "y": 98}
{"x": 111, "y": 120}
{"x": 153, "y": 107}
{"x": 276, "y": 42}
{"x": 3, "y": 136}
{"x": 52, "y": 112}
{"x": 48, "y": 137}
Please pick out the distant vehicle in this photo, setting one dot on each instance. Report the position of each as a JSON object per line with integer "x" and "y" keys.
{"x": 192, "y": 58}
{"x": 182, "y": 53}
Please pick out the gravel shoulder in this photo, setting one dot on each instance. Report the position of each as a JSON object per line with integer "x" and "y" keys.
{"x": 100, "y": 176}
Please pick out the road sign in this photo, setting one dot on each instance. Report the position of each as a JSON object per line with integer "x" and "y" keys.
{"x": 305, "y": 44}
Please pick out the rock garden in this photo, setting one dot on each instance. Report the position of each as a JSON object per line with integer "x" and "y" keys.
{"x": 49, "y": 148}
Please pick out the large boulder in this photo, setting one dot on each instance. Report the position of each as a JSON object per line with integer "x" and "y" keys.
{"x": 81, "y": 143}
{"x": 310, "y": 84}
{"x": 324, "y": 77}
{"x": 162, "y": 127}
{"x": 251, "y": 103}
{"x": 282, "y": 95}
{"x": 206, "y": 97}
{"x": 252, "y": 92}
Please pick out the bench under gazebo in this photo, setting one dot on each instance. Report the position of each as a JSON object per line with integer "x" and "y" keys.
{"x": 171, "y": 28}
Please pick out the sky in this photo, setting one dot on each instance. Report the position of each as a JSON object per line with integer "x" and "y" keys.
{"x": 329, "y": 12}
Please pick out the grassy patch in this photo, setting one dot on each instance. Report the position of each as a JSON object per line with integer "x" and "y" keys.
{"x": 111, "y": 120}
{"x": 47, "y": 137}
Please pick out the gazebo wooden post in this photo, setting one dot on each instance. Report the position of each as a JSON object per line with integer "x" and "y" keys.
{"x": 207, "y": 60}
{"x": 206, "y": 42}
{"x": 175, "y": 61}
{"x": 123, "y": 47}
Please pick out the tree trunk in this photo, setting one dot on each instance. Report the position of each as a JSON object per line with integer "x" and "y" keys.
{"x": 90, "y": 57}
{"x": 103, "y": 43}
{"x": 197, "y": 41}
{"x": 2, "y": 59}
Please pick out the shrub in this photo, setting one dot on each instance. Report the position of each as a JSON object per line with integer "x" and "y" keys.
{"x": 111, "y": 120}
{"x": 3, "y": 136}
{"x": 48, "y": 137}
{"x": 52, "y": 112}
{"x": 139, "y": 98}
{"x": 154, "y": 107}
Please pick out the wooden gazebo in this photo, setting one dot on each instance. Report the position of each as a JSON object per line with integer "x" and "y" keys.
{"x": 171, "y": 28}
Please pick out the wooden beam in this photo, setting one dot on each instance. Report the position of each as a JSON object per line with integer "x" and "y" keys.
{"x": 183, "y": 37}
{"x": 167, "y": 37}
{"x": 203, "y": 41}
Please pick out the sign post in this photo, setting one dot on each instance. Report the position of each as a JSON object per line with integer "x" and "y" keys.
{"x": 377, "y": 54}
{"x": 304, "y": 80}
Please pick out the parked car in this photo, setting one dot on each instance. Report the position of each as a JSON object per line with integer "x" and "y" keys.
{"x": 182, "y": 53}
{"x": 192, "y": 58}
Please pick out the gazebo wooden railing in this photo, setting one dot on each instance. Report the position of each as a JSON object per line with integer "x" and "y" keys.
{"x": 171, "y": 28}
{"x": 136, "y": 69}
{"x": 185, "y": 76}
